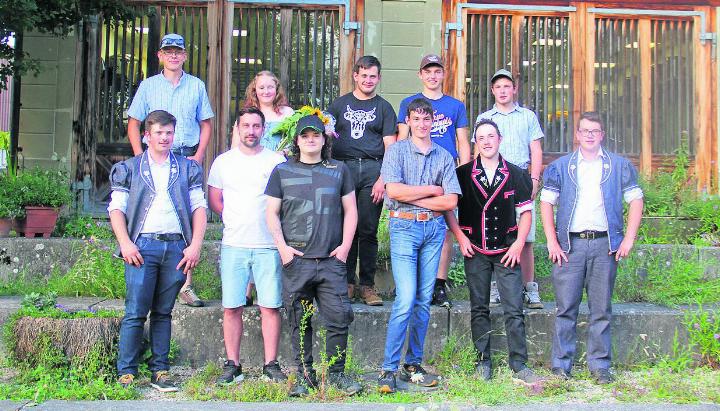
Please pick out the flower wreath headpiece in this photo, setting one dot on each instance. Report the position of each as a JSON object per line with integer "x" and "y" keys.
{"x": 288, "y": 127}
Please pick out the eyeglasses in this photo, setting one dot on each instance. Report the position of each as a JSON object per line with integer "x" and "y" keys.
{"x": 174, "y": 53}
{"x": 586, "y": 132}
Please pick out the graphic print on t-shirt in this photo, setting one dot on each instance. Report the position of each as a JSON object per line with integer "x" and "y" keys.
{"x": 358, "y": 119}
{"x": 440, "y": 124}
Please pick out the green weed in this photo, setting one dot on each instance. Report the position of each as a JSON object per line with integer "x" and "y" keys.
{"x": 704, "y": 334}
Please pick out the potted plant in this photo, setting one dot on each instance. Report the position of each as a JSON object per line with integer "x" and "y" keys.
{"x": 42, "y": 193}
{"x": 10, "y": 207}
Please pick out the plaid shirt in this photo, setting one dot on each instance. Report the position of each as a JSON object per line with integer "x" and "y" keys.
{"x": 405, "y": 163}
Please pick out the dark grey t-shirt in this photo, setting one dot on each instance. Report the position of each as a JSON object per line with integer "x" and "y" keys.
{"x": 311, "y": 213}
{"x": 361, "y": 126}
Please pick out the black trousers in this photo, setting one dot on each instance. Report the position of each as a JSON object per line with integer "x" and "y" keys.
{"x": 307, "y": 281}
{"x": 365, "y": 173}
{"x": 478, "y": 272}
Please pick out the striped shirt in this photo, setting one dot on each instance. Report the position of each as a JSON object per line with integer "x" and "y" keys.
{"x": 188, "y": 102}
{"x": 518, "y": 129}
{"x": 405, "y": 163}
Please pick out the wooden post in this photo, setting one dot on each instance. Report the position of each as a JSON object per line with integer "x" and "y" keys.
{"x": 703, "y": 113}
{"x": 286, "y": 16}
{"x": 516, "y": 40}
{"x": 349, "y": 46}
{"x": 578, "y": 41}
{"x": 459, "y": 44}
{"x": 219, "y": 74}
{"x": 644, "y": 39}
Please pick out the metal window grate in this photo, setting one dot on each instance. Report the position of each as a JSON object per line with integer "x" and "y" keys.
{"x": 617, "y": 83}
{"x": 488, "y": 49}
{"x": 672, "y": 86}
{"x": 544, "y": 82}
{"x": 300, "y": 45}
{"x": 128, "y": 55}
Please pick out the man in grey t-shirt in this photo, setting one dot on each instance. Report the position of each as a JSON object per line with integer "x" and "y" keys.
{"x": 311, "y": 214}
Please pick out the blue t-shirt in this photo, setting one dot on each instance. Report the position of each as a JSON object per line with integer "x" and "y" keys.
{"x": 449, "y": 116}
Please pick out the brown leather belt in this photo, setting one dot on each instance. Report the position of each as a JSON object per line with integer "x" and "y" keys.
{"x": 421, "y": 216}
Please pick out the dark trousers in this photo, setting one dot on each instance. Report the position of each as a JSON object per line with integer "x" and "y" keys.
{"x": 152, "y": 287}
{"x": 589, "y": 267}
{"x": 365, "y": 173}
{"x": 321, "y": 280}
{"x": 478, "y": 272}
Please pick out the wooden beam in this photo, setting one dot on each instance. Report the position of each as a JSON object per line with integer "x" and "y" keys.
{"x": 349, "y": 51}
{"x": 516, "y": 38}
{"x": 578, "y": 56}
{"x": 644, "y": 39}
{"x": 703, "y": 105}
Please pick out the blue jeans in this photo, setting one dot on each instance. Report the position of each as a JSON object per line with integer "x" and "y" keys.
{"x": 152, "y": 287}
{"x": 415, "y": 255}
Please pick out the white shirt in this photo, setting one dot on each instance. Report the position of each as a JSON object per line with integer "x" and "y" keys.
{"x": 589, "y": 210}
{"x": 242, "y": 179}
{"x": 161, "y": 217}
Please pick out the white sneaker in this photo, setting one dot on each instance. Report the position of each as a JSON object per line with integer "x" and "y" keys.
{"x": 532, "y": 295}
{"x": 494, "y": 295}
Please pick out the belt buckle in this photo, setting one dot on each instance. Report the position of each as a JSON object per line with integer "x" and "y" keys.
{"x": 590, "y": 235}
{"x": 422, "y": 217}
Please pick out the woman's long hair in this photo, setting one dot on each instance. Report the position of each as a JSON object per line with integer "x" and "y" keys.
{"x": 251, "y": 99}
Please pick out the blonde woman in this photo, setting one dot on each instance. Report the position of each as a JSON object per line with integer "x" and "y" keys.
{"x": 266, "y": 93}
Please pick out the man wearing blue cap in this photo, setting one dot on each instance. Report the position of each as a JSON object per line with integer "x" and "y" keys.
{"x": 184, "y": 96}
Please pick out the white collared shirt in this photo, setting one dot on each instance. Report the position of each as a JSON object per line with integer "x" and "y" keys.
{"x": 589, "y": 210}
{"x": 161, "y": 217}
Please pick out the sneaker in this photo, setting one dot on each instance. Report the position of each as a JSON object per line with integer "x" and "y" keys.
{"x": 160, "y": 380}
{"x": 188, "y": 297}
{"x": 273, "y": 372}
{"x": 231, "y": 373}
{"x": 370, "y": 296}
{"x": 561, "y": 373}
{"x": 494, "y": 295}
{"x": 303, "y": 383}
{"x": 387, "y": 383}
{"x": 525, "y": 376}
{"x": 126, "y": 380}
{"x": 532, "y": 295}
{"x": 602, "y": 376}
{"x": 484, "y": 370}
{"x": 344, "y": 383}
{"x": 440, "y": 297}
{"x": 415, "y": 374}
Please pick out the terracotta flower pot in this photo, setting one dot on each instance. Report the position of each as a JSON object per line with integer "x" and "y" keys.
{"x": 5, "y": 225}
{"x": 38, "y": 220}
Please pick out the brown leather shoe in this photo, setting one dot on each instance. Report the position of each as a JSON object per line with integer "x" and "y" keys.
{"x": 351, "y": 291}
{"x": 370, "y": 296}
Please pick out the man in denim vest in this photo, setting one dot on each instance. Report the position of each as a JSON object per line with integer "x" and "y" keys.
{"x": 157, "y": 212}
{"x": 585, "y": 241}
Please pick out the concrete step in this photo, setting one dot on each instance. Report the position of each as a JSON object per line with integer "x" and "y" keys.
{"x": 38, "y": 257}
{"x": 641, "y": 332}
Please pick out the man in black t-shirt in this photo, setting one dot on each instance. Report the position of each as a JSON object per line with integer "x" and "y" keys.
{"x": 366, "y": 127}
{"x": 311, "y": 214}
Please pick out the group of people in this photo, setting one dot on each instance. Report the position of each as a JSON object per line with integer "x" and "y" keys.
{"x": 301, "y": 224}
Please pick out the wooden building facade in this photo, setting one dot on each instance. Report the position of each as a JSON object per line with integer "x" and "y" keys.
{"x": 648, "y": 66}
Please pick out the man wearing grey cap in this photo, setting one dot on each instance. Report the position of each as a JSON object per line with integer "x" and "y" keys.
{"x": 184, "y": 96}
{"x": 520, "y": 145}
{"x": 449, "y": 131}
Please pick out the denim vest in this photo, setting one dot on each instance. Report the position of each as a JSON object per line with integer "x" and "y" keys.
{"x": 618, "y": 176}
{"x": 133, "y": 176}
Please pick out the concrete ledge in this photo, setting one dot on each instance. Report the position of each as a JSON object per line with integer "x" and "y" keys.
{"x": 38, "y": 257}
{"x": 641, "y": 332}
